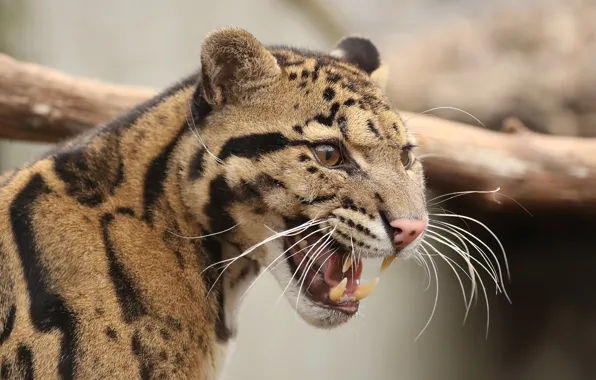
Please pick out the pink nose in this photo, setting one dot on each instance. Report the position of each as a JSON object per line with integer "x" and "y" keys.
{"x": 406, "y": 231}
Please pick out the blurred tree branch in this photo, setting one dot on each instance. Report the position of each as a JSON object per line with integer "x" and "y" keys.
{"x": 543, "y": 171}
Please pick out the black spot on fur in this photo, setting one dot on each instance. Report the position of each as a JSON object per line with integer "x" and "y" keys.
{"x": 378, "y": 198}
{"x": 8, "y": 325}
{"x": 328, "y": 94}
{"x": 312, "y": 169}
{"x": 304, "y": 157}
{"x": 253, "y": 146}
{"x": 48, "y": 310}
{"x": 371, "y": 127}
{"x": 195, "y": 170}
{"x": 303, "y": 84}
{"x": 128, "y": 297}
{"x": 296, "y": 106}
{"x": 293, "y": 76}
{"x": 395, "y": 128}
{"x": 111, "y": 333}
{"x": 349, "y": 103}
{"x": 328, "y": 120}
{"x": 165, "y": 334}
{"x": 25, "y": 363}
{"x": 333, "y": 77}
{"x": 174, "y": 323}
{"x": 155, "y": 177}
{"x": 298, "y": 129}
{"x": 305, "y": 74}
{"x": 125, "y": 211}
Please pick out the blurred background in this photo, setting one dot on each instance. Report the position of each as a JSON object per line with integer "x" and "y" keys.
{"x": 531, "y": 59}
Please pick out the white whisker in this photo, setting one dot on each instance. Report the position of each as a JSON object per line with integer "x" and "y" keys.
{"x": 459, "y": 194}
{"x": 295, "y": 230}
{"x": 278, "y": 257}
{"x": 449, "y": 225}
{"x": 313, "y": 259}
{"x": 447, "y": 108}
{"x": 432, "y": 263}
{"x": 204, "y": 236}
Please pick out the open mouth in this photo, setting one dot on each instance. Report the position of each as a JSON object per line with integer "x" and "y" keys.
{"x": 326, "y": 272}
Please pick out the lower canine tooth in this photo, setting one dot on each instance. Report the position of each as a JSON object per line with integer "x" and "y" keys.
{"x": 347, "y": 264}
{"x": 364, "y": 290}
{"x": 338, "y": 290}
{"x": 387, "y": 262}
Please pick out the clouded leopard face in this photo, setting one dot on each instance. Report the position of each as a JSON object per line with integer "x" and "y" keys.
{"x": 308, "y": 168}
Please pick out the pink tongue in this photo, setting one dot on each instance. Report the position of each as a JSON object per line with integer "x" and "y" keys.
{"x": 333, "y": 274}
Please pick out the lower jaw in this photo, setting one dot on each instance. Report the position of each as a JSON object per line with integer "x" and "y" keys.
{"x": 322, "y": 316}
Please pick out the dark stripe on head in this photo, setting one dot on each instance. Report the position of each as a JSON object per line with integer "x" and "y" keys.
{"x": 48, "y": 310}
{"x": 8, "y": 324}
{"x": 253, "y": 146}
{"x": 328, "y": 120}
{"x": 371, "y": 127}
{"x": 156, "y": 175}
{"x": 128, "y": 297}
{"x": 220, "y": 196}
{"x": 25, "y": 362}
{"x": 195, "y": 170}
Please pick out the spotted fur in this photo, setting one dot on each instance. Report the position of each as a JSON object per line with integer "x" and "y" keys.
{"x": 108, "y": 243}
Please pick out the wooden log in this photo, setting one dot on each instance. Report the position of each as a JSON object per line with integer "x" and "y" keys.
{"x": 531, "y": 169}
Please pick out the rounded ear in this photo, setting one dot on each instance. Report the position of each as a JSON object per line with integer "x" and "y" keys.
{"x": 234, "y": 65}
{"x": 362, "y": 53}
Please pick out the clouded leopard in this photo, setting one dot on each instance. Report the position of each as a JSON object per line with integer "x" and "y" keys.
{"x": 124, "y": 251}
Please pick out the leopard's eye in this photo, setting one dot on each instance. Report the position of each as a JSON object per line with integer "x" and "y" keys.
{"x": 328, "y": 155}
{"x": 407, "y": 157}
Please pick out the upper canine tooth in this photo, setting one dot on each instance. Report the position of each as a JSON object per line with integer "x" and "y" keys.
{"x": 364, "y": 290}
{"x": 338, "y": 290}
{"x": 347, "y": 264}
{"x": 386, "y": 262}
{"x": 302, "y": 244}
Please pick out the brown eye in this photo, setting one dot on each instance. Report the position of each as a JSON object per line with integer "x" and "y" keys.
{"x": 328, "y": 155}
{"x": 407, "y": 157}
